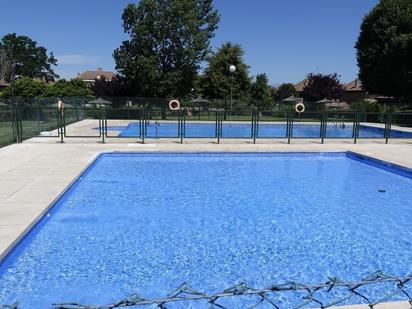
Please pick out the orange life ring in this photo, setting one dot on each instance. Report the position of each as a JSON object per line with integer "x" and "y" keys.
{"x": 174, "y": 105}
{"x": 300, "y": 108}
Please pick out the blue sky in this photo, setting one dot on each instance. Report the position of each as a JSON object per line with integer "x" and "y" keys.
{"x": 284, "y": 39}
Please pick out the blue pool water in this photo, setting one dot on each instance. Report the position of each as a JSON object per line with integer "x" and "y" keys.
{"x": 243, "y": 130}
{"x": 145, "y": 223}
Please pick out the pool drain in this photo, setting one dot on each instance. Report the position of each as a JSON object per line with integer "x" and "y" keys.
{"x": 382, "y": 191}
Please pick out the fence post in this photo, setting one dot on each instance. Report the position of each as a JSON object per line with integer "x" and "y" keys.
{"x": 19, "y": 124}
{"x": 216, "y": 123}
{"x": 60, "y": 117}
{"x": 388, "y": 126}
{"x": 356, "y": 128}
{"x": 182, "y": 125}
{"x": 64, "y": 122}
{"x": 179, "y": 116}
{"x": 143, "y": 128}
{"x": 323, "y": 126}
{"x": 252, "y": 125}
{"x": 219, "y": 123}
{"x": 289, "y": 126}
{"x": 101, "y": 120}
{"x": 140, "y": 123}
{"x": 255, "y": 119}
{"x": 14, "y": 122}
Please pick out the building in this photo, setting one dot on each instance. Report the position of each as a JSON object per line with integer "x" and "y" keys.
{"x": 3, "y": 84}
{"x": 354, "y": 92}
{"x": 299, "y": 86}
{"x": 90, "y": 76}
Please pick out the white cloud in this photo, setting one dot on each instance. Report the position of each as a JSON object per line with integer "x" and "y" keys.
{"x": 76, "y": 59}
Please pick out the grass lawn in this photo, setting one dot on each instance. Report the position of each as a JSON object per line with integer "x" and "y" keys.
{"x": 33, "y": 128}
{"x": 6, "y": 133}
{"x": 30, "y": 129}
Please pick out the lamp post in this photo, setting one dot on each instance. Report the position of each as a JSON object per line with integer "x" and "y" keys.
{"x": 232, "y": 70}
{"x": 16, "y": 126}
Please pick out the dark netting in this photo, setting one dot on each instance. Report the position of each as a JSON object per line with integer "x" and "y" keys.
{"x": 401, "y": 125}
{"x": 162, "y": 123}
{"x": 271, "y": 124}
{"x": 340, "y": 124}
{"x": 123, "y": 122}
{"x": 83, "y": 121}
{"x": 372, "y": 290}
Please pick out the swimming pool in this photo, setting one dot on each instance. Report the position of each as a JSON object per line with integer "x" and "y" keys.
{"x": 145, "y": 223}
{"x": 244, "y": 130}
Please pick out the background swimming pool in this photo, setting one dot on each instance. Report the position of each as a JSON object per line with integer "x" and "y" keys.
{"x": 145, "y": 223}
{"x": 244, "y": 130}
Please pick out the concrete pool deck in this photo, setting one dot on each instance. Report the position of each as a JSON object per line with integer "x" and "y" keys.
{"x": 33, "y": 174}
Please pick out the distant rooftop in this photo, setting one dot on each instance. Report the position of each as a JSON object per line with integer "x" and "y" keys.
{"x": 299, "y": 86}
{"x": 3, "y": 84}
{"x": 90, "y": 76}
{"x": 355, "y": 85}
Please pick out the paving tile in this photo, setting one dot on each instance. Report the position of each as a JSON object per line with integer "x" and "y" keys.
{"x": 24, "y": 173}
{"x": 9, "y": 219}
{"x": 9, "y": 186}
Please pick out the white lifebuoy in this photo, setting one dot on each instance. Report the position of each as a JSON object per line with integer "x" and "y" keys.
{"x": 174, "y": 105}
{"x": 300, "y": 108}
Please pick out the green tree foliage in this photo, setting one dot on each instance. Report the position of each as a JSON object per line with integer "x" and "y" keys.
{"x": 71, "y": 88}
{"x": 31, "y": 60}
{"x": 31, "y": 88}
{"x": 384, "y": 49}
{"x": 217, "y": 78}
{"x": 285, "y": 90}
{"x": 25, "y": 88}
{"x": 261, "y": 91}
{"x": 168, "y": 41}
{"x": 321, "y": 86}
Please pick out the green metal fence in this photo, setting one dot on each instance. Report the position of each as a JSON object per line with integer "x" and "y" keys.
{"x": 21, "y": 122}
{"x": 7, "y": 129}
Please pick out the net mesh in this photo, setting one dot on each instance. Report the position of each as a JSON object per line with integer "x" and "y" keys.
{"x": 334, "y": 292}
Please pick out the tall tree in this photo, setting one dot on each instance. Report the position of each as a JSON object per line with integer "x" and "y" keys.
{"x": 321, "y": 86}
{"x": 261, "y": 91}
{"x": 285, "y": 90}
{"x": 168, "y": 41}
{"x": 30, "y": 59}
{"x": 384, "y": 49}
{"x": 216, "y": 81}
{"x": 6, "y": 64}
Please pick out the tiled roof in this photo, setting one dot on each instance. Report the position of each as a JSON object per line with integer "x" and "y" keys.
{"x": 92, "y": 75}
{"x": 355, "y": 85}
{"x": 299, "y": 86}
{"x": 3, "y": 83}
